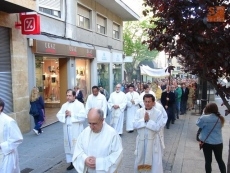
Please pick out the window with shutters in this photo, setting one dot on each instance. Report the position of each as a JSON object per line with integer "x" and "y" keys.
{"x": 5, "y": 70}
{"x": 51, "y": 7}
{"x": 116, "y": 31}
{"x": 83, "y": 17}
{"x": 101, "y": 24}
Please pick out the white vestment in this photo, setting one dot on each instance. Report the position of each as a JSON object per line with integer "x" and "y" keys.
{"x": 148, "y": 145}
{"x": 142, "y": 96}
{"x": 131, "y": 109}
{"x": 73, "y": 125}
{"x": 10, "y": 138}
{"x": 165, "y": 118}
{"x": 117, "y": 115}
{"x": 98, "y": 101}
{"x": 105, "y": 146}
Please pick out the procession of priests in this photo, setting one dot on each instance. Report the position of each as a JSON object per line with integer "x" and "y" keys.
{"x": 98, "y": 147}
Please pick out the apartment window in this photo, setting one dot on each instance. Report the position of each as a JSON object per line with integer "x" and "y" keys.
{"x": 178, "y": 68}
{"x": 51, "y": 7}
{"x": 101, "y": 24}
{"x": 83, "y": 17}
{"x": 116, "y": 31}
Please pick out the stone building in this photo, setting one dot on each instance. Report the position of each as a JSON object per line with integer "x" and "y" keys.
{"x": 81, "y": 43}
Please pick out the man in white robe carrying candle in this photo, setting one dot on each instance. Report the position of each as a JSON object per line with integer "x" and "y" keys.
{"x": 148, "y": 122}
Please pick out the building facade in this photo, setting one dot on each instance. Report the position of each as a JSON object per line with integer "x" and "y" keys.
{"x": 80, "y": 44}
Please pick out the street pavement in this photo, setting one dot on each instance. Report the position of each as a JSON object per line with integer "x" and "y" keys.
{"x": 45, "y": 153}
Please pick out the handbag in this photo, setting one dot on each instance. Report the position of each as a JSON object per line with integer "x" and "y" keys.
{"x": 201, "y": 143}
{"x": 34, "y": 109}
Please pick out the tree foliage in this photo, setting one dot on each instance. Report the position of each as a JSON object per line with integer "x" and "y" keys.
{"x": 181, "y": 29}
{"x": 134, "y": 34}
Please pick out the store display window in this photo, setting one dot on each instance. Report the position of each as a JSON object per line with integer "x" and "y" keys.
{"x": 83, "y": 76}
{"x": 47, "y": 78}
{"x": 103, "y": 76}
{"x": 117, "y": 75}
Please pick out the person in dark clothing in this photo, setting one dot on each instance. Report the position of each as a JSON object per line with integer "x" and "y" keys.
{"x": 79, "y": 95}
{"x": 38, "y": 119}
{"x": 184, "y": 98}
{"x": 167, "y": 101}
{"x": 175, "y": 113}
{"x": 104, "y": 92}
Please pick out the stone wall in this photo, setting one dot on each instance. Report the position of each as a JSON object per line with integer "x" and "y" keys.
{"x": 19, "y": 66}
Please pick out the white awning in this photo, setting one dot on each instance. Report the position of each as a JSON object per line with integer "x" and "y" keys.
{"x": 157, "y": 73}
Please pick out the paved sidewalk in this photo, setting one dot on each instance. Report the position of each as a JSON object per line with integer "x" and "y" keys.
{"x": 188, "y": 158}
{"x": 45, "y": 153}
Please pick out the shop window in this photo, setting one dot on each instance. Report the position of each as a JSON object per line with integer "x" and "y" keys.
{"x": 83, "y": 17}
{"x": 83, "y": 76}
{"x": 117, "y": 74}
{"x": 103, "y": 75}
{"x": 116, "y": 31}
{"x": 47, "y": 79}
{"x": 101, "y": 24}
{"x": 50, "y": 7}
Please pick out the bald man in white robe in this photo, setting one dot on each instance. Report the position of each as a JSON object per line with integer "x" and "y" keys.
{"x": 99, "y": 147}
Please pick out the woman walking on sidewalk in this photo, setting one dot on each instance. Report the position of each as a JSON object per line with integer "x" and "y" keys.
{"x": 211, "y": 123}
{"x": 36, "y": 99}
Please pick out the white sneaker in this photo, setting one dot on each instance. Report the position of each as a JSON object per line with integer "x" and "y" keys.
{"x": 35, "y": 131}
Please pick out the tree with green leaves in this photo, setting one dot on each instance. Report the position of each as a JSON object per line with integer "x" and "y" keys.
{"x": 134, "y": 33}
{"x": 183, "y": 29}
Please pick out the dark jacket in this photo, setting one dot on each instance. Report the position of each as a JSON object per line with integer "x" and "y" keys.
{"x": 41, "y": 107}
{"x": 184, "y": 96}
{"x": 171, "y": 100}
{"x": 79, "y": 97}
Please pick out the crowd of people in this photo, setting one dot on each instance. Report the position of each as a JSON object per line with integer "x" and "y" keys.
{"x": 149, "y": 108}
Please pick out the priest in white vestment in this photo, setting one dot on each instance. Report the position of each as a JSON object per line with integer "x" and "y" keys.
{"x": 132, "y": 107}
{"x": 10, "y": 138}
{"x": 99, "y": 147}
{"x": 72, "y": 115}
{"x": 117, "y": 104}
{"x": 148, "y": 122}
{"x": 96, "y": 100}
{"x": 146, "y": 91}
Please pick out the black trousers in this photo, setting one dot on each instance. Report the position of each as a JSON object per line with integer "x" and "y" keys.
{"x": 217, "y": 149}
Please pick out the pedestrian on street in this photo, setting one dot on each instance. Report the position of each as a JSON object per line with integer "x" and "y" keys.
{"x": 104, "y": 92}
{"x": 211, "y": 123}
{"x": 72, "y": 115}
{"x": 184, "y": 98}
{"x": 148, "y": 122}
{"x": 168, "y": 100}
{"x": 117, "y": 104}
{"x": 174, "y": 104}
{"x": 79, "y": 94}
{"x": 99, "y": 147}
{"x": 178, "y": 99}
{"x": 132, "y": 107}
{"x": 38, "y": 101}
{"x": 10, "y": 139}
{"x": 96, "y": 100}
{"x": 146, "y": 91}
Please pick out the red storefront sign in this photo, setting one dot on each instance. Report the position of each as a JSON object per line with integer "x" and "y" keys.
{"x": 30, "y": 24}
